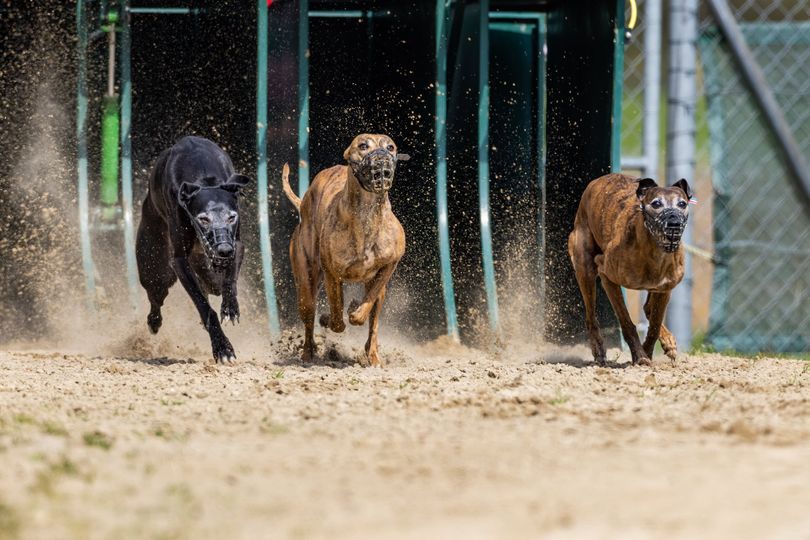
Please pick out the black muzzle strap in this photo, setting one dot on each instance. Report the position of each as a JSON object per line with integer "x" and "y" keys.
{"x": 211, "y": 240}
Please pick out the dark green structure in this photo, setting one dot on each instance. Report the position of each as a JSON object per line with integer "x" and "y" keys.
{"x": 507, "y": 108}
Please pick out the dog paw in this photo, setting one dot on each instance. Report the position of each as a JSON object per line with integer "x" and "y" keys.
{"x": 642, "y": 360}
{"x": 600, "y": 360}
{"x": 357, "y": 315}
{"x": 229, "y": 311}
{"x": 223, "y": 351}
{"x": 336, "y": 326}
{"x": 154, "y": 322}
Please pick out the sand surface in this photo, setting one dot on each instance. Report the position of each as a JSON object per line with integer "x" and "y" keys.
{"x": 445, "y": 442}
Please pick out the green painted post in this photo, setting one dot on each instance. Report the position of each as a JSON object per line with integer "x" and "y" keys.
{"x": 261, "y": 173}
{"x": 126, "y": 156}
{"x": 490, "y": 284}
{"x": 442, "y": 21}
{"x": 109, "y": 153}
{"x": 81, "y": 147}
{"x": 618, "y": 85}
{"x": 303, "y": 97}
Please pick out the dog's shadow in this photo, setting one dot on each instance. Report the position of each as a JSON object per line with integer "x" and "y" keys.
{"x": 579, "y": 362}
{"x": 158, "y": 361}
{"x": 328, "y": 355}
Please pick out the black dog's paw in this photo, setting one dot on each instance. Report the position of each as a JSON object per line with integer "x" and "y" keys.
{"x": 154, "y": 321}
{"x": 223, "y": 350}
{"x": 229, "y": 311}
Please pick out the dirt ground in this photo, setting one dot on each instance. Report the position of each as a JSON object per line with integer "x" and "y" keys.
{"x": 151, "y": 440}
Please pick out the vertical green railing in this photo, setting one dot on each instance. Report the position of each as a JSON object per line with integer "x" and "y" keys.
{"x": 126, "y": 154}
{"x": 618, "y": 79}
{"x": 261, "y": 172}
{"x": 81, "y": 143}
{"x": 490, "y": 285}
{"x": 303, "y": 97}
{"x": 442, "y": 22}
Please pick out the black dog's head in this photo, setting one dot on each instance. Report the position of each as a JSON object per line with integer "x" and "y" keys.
{"x": 665, "y": 210}
{"x": 214, "y": 214}
{"x": 373, "y": 160}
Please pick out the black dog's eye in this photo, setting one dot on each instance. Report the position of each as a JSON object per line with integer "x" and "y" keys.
{"x": 362, "y": 146}
{"x": 390, "y": 147}
{"x": 232, "y": 218}
{"x": 682, "y": 204}
{"x": 656, "y": 204}
{"x": 204, "y": 220}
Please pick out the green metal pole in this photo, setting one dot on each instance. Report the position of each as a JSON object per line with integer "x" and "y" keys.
{"x": 303, "y": 97}
{"x": 261, "y": 174}
{"x": 618, "y": 80}
{"x": 81, "y": 141}
{"x": 126, "y": 155}
{"x": 110, "y": 128}
{"x": 483, "y": 166}
{"x": 442, "y": 21}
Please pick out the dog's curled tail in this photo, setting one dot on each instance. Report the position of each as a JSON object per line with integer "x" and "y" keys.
{"x": 285, "y": 180}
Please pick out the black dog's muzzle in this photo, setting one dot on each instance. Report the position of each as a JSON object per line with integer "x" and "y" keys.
{"x": 667, "y": 228}
{"x": 376, "y": 170}
{"x": 217, "y": 242}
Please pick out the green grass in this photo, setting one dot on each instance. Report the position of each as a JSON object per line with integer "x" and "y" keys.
{"x": 98, "y": 439}
{"x": 701, "y": 346}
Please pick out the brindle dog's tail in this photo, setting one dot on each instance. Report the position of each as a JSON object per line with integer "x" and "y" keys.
{"x": 285, "y": 180}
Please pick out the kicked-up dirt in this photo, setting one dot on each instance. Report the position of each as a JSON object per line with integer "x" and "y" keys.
{"x": 445, "y": 442}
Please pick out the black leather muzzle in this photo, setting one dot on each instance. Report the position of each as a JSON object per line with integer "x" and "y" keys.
{"x": 218, "y": 242}
{"x": 376, "y": 170}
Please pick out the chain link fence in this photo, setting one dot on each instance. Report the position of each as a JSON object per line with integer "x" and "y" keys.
{"x": 754, "y": 293}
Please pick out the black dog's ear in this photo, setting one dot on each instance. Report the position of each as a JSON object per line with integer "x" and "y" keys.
{"x": 643, "y": 185}
{"x": 684, "y": 185}
{"x": 235, "y": 183}
{"x": 403, "y": 157}
{"x": 187, "y": 192}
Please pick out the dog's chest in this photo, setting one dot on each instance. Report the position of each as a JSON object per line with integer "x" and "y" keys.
{"x": 359, "y": 258}
{"x": 626, "y": 268}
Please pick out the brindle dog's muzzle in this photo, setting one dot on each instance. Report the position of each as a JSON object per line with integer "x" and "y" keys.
{"x": 376, "y": 170}
{"x": 667, "y": 228}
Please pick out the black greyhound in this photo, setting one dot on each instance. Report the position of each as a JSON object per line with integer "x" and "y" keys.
{"x": 190, "y": 230}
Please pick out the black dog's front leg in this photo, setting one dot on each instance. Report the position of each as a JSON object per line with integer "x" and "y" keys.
{"x": 220, "y": 345}
{"x": 230, "y": 305}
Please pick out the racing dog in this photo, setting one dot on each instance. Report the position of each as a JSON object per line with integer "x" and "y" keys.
{"x": 628, "y": 232}
{"x": 190, "y": 230}
{"x": 347, "y": 233}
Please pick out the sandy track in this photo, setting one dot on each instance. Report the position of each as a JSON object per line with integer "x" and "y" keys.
{"x": 445, "y": 442}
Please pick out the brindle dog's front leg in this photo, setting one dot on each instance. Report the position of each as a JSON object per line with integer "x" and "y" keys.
{"x": 220, "y": 345}
{"x": 358, "y": 313}
{"x": 229, "y": 311}
{"x": 614, "y": 293}
{"x": 654, "y": 308}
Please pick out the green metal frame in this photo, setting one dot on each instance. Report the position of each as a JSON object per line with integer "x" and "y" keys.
{"x": 126, "y": 154}
{"x": 82, "y": 166}
{"x": 261, "y": 171}
{"x": 442, "y": 23}
{"x": 618, "y": 84}
{"x": 490, "y": 286}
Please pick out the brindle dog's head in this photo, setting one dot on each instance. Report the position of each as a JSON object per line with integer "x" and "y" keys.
{"x": 665, "y": 210}
{"x": 373, "y": 160}
{"x": 214, "y": 214}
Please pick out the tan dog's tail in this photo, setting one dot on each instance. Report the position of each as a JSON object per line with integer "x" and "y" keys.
{"x": 285, "y": 180}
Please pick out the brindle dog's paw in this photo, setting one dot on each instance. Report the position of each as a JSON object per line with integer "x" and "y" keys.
{"x": 223, "y": 350}
{"x": 356, "y": 316}
{"x": 336, "y": 326}
{"x": 642, "y": 360}
{"x": 229, "y": 311}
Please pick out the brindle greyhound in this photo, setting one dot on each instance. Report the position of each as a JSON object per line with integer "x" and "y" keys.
{"x": 190, "y": 230}
{"x": 347, "y": 233}
{"x": 628, "y": 232}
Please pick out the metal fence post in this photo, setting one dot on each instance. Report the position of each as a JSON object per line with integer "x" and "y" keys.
{"x": 682, "y": 102}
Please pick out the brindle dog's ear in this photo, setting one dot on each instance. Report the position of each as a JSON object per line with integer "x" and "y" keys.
{"x": 235, "y": 183}
{"x": 403, "y": 157}
{"x": 187, "y": 192}
{"x": 643, "y": 185}
{"x": 684, "y": 185}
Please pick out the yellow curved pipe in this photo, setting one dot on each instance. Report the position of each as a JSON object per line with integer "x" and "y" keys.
{"x": 633, "y": 15}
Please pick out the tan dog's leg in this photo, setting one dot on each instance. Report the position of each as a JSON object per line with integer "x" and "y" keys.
{"x": 334, "y": 293}
{"x": 373, "y": 324}
{"x": 358, "y": 313}
{"x": 585, "y": 270}
{"x": 307, "y": 281}
{"x": 614, "y": 293}
{"x": 654, "y": 308}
